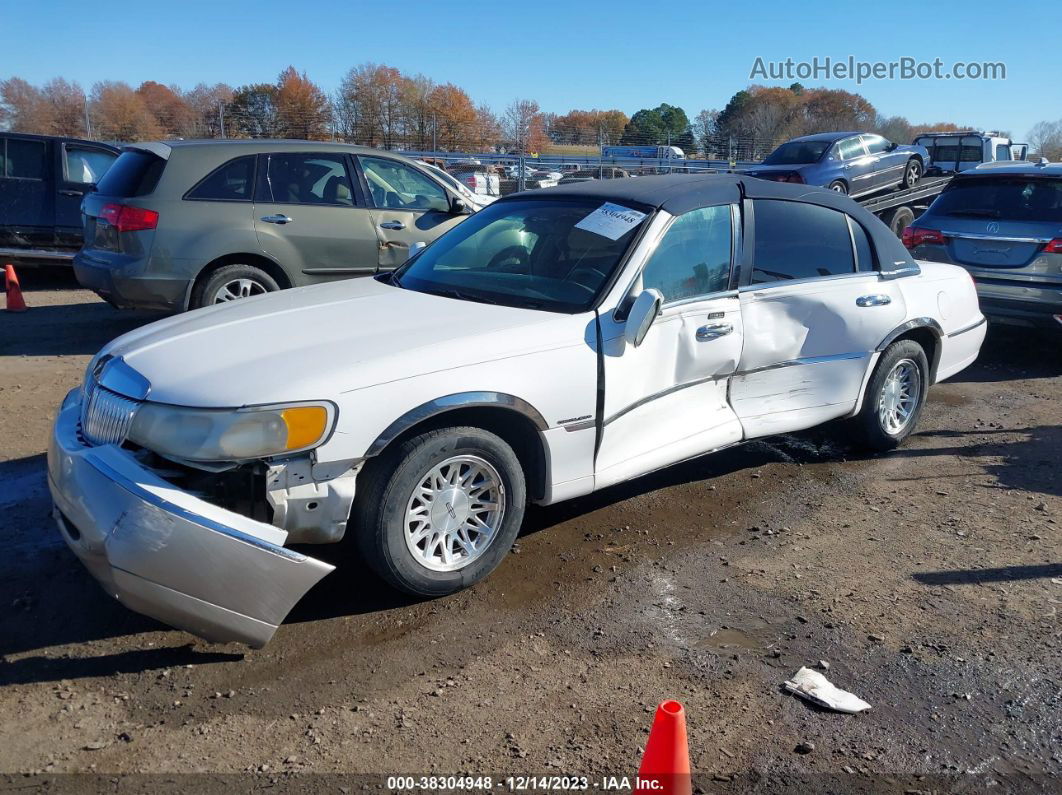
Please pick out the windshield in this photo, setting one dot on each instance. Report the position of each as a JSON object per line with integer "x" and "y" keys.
{"x": 797, "y": 152}
{"x": 1010, "y": 198}
{"x": 534, "y": 253}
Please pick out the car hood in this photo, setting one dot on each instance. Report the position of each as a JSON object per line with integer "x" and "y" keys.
{"x": 314, "y": 343}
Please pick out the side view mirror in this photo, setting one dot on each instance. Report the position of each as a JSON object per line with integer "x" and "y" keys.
{"x": 458, "y": 206}
{"x": 892, "y": 146}
{"x": 643, "y": 312}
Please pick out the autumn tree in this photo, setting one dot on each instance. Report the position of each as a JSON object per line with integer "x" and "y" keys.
{"x": 589, "y": 127}
{"x": 25, "y": 107}
{"x": 172, "y": 113}
{"x": 303, "y": 109}
{"x": 455, "y": 118}
{"x": 119, "y": 113}
{"x": 895, "y": 128}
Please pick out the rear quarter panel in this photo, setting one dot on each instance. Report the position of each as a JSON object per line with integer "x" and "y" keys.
{"x": 946, "y": 294}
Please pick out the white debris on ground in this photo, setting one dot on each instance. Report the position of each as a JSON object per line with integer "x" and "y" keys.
{"x": 816, "y": 688}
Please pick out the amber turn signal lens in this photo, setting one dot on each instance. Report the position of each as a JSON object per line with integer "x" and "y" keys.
{"x": 306, "y": 425}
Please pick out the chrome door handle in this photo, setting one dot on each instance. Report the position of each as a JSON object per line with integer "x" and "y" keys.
{"x": 396, "y": 225}
{"x": 279, "y": 218}
{"x": 873, "y": 300}
{"x": 714, "y": 330}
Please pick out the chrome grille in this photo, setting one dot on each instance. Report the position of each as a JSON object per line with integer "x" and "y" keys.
{"x": 106, "y": 416}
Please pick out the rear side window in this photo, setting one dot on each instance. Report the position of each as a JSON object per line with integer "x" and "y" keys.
{"x": 799, "y": 241}
{"x": 25, "y": 159}
{"x": 1005, "y": 198}
{"x": 134, "y": 173}
{"x": 233, "y": 182}
{"x": 87, "y": 166}
{"x": 850, "y": 148}
{"x": 306, "y": 179}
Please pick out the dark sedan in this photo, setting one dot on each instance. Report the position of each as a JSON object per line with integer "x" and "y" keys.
{"x": 847, "y": 162}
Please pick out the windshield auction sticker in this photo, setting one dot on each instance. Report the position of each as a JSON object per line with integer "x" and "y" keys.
{"x": 611, "y": 220}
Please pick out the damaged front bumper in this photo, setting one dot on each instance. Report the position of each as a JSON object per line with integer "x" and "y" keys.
{"x": 165, "y": 553}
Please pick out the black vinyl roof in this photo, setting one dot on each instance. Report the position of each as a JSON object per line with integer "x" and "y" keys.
{"x": 680, "y": 193}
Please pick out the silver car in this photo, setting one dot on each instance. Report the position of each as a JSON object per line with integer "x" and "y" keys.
{"x": 1002, "y": 222}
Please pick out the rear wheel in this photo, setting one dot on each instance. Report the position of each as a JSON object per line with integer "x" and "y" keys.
{"x": 898, "y": 219}
{"x": 441, "y": 511}
{"x": 912, "y": 173}
{"x": 231, "y": 283}
{"x": 838, "y": 186}
{"x": 895, "y": 395}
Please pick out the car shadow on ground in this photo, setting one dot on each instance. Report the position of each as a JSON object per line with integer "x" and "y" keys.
{"x": 66, "y": 329}
{"x": 1029, "y": 464}
{"x": 1011, "y": 352}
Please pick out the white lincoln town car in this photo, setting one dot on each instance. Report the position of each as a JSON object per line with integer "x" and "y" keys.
{"x": 555, "y": 343}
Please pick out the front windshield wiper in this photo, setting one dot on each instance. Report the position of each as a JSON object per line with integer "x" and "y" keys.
{"x": 461, "y": 295}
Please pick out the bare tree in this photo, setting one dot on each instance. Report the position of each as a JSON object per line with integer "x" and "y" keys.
{"x": 1045, "y": 139}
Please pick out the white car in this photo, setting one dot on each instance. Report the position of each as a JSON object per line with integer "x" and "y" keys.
{"x": 551, "y": 345}
{"x": 475, "y": 201}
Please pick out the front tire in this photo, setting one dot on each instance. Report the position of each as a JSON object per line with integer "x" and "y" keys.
{"x": 440, "y": 511}
{"x": 838, "y": 186}
{"x": 895, "y": 395}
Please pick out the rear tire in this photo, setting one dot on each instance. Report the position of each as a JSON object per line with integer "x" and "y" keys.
{"x": 912, "y": 173}
{"x": 424, "y": 506}
{"x": 896, "y": 392}
{"x": 231, "y": 283}
{"x": 838, "y": 186}
{"x": 898, "y": 219}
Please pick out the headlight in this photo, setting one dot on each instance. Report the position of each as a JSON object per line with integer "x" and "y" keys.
{"x": 231, "y": 434}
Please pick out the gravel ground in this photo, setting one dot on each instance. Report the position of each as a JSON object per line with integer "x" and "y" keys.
{"x": 927, "y": 580}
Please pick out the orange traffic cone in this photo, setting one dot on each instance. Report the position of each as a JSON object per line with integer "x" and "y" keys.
{"x": 665, "y": 766}
{"x": 15, "y": 302}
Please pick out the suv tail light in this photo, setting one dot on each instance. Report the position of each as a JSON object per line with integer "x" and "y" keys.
{"x": 1054, "y": 247}
{"x": 914, "y": 237}
{"x": 125, "y": 218}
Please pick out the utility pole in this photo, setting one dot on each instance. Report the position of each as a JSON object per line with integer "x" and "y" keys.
{"x": 221, "y": 117}
{"x": 88, "y": 124}
{"x": 434, "y": 135}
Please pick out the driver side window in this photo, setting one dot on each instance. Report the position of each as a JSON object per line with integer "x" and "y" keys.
{"x": 396, "y": 186}
{"x": 693, "y": 258}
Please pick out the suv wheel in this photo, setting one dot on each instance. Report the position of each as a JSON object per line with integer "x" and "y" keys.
{"x": 231, "y": 283}
{"x": 894, "y": 397}
{"x": 441, "y": 511}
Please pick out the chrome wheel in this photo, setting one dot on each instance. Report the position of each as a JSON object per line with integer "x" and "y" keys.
{"x": 838, "y": 187}
{"x": 913, "y": 173}
{"x": 899, "y": 396}
{"x": 454, "y": 513}
{"x": 236, "y": 289}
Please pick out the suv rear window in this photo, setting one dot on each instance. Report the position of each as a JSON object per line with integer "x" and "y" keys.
{"x": 134, "y": 173}
{"x": 1006, "y": 198}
